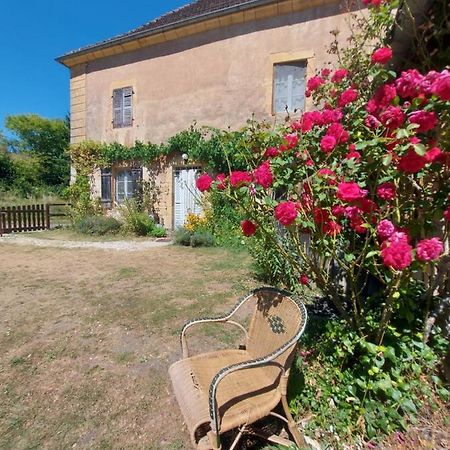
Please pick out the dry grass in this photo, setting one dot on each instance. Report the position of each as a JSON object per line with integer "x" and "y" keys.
{"x": 87, "y": 337}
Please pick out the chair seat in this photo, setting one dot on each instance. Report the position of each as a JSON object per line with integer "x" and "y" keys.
{"x": 243, "y": 396}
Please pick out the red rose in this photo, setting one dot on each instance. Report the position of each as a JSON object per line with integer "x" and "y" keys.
{"x": 263, "y": 175}
{"x": 426, "y": 120}
{"x": 239, "y": 178}
{"x": 408, "y": 83}
{"x": 271, "y": 152}
{"x": 221, "y": 181}
{"x": 386, "y": 191}
{"x": 331, "y": 228}
{"x": 350, "y": 191}
{"x": 327, "y": 143}
{"x": 286, "y": 212}
{"x": 411, "y": 162}
{"x": 392, "y": 117}
{"x": 441, "y": 85}
{"x": 347, "y": 97}
{"x": 325, "y": 72}
{"x": 203, "y": 182}
{"x": 314, "y": 83}
{"x": 353, "y": 155}
{"x": 396, "y": 254}
{"x": 381, "y": 56}
{"x": 446, "y": 214}
{"x": 248, "y": 228}
{"x": 321, "y": 216}
{"x": 339, "y": 75}
{"x": 429, "y": 249}
{"x": 338, "y": 132}
{"x": 304, "y": 279}
{"x": 291, "y": 139}
{"x": 329, "y": 174}
{"x": 358, "y": 224}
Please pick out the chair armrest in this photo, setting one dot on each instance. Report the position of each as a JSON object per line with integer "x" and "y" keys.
{"x": 263, "y": 360}
{"x": 220, "y": 319}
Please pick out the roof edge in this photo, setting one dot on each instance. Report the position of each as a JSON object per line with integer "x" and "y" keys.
{"x": 131, "y": 36}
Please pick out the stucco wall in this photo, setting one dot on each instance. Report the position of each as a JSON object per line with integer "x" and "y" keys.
{"x": 219, "y": 78}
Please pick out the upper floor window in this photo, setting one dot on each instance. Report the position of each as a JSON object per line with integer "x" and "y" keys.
{"x": 123, "y": 107}
{"x": 289, "y": 86}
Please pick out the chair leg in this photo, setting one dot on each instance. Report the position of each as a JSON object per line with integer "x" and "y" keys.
{"x": 298, "y": 437}
{"x": 214, "y": 440}
{"x": 238, "y": 437}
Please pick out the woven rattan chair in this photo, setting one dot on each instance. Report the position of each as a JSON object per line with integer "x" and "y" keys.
{"x": 227, "y": 389}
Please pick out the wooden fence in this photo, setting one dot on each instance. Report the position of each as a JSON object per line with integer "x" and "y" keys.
{"x": 26, "y": 218}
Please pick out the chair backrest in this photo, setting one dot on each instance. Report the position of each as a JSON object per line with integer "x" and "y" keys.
{"x": 278, "y": 321}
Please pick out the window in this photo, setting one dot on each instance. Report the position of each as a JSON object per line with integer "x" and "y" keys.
{"x": 127, "y": 183}
{"x": 123, "y": 107}
{"x": 106, "y": 187}
{"x": 289, "y": 86}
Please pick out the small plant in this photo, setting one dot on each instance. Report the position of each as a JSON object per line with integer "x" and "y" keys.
{"x": 98, "y": 225}
{"x": 158, "y": 231}
{"x": 183, "y": 237}
{"x": 135, "y": 220}
{"x": 202, "y": 239}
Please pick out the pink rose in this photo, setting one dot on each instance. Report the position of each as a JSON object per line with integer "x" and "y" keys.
{"x": 263, "y": 175}
{"x": 396, "y": 254}
{"x": 314, "y": 83}
{"x": 429, "y": 249}
{"x": 350, "y": 191}
{"x": 286, "y": 213}
{"x": 426, "y": 120}
{"x": 433, "y": 154}
{"x": 392, "y": 117}
{"x": 327, "y": 143}
{"x": 338, "y": 132}
{"x": 385, "y": 229}
{"x": 203, "y": 182}
{"x": 441, "y": 86}
{"x": 408, "y": 83}
{"x": 446, "y": 214}
{"x": 331, "y": 228}
{"x": 339, "y": 75}
{"x": 353, "y": 155}
{"x": 381, "y": 56}
{"x": 239, "y": 178}
{"x": 386, "y": 191}
{"x": 347, "y": 97}
{"x": 221, "y": 181}
{"x": 248, "y": 228}
{"x": 291, "y": 139}
{"x": 271, "y": 152}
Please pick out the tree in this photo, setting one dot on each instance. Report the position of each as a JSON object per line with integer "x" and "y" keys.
{"x": 45, "y": 139}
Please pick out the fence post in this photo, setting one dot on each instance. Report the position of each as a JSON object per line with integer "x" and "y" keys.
{"x": 47, "y": 216}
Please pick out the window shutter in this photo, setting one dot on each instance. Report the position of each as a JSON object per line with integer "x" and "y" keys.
{"x": 106, "y": 185}
{"x": 280, "y": 88}
{"x": 136, "y": 175}
{"x": 117, "y": 108}
{"x": 127, "y": 106}
{"x": 289, "y": 86}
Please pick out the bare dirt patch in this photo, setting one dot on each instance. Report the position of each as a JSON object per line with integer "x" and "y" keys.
{"x": 87, "y": 337}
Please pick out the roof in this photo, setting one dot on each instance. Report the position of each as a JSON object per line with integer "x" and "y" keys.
{"x": 190, "y": 13}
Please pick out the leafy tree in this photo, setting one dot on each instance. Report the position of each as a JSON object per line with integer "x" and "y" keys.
{"x": 45, "y": 139}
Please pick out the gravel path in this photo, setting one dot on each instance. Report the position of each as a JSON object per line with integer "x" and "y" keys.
{"x": 129, "y": 246}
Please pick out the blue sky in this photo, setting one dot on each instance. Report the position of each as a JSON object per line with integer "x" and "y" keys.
{"x": 35, "y": 32}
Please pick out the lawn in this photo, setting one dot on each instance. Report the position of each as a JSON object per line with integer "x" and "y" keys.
{"x": 87, "y": 337}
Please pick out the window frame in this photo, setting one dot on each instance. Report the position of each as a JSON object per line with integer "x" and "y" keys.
{"x": 133, "y": 181}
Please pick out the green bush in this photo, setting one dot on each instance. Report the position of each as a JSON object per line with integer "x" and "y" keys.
{"x": 182, "y": 237}
{"x": 135, "y": 220}
{"x": 202, "y": 239}
{"x": 98, "y": 225}
{"x": 158, "y": 231}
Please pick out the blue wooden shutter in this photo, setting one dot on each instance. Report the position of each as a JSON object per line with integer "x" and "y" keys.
{"x": 127, "y": 106}
{"x": 117, "y": 108}
{"x": 106, "y": 186}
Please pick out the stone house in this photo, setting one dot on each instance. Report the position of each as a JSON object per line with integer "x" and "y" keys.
{"x": 216, "y": 62}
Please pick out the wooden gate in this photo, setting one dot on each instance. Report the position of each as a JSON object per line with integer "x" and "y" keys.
{"x": 24, "y": 218}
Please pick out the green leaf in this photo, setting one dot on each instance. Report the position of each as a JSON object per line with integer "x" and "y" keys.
{"x": 402, "y": 133}
{"x": 420, "y": 149}
{"x": 372, "y": 253}
{"x": 387, "y": 159}
{"x": 408, "y": 405}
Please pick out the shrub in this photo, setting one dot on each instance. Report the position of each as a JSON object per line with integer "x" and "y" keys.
{"x": 202, "y": 239}
{"x": 136, "y": 221}
{"x": 98, "y": 225}
{"x": 158, "y": 231}
{"x": 183, "y": 237}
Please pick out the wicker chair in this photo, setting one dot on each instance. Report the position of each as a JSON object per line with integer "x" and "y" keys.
{"x": 227, "y": 389}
